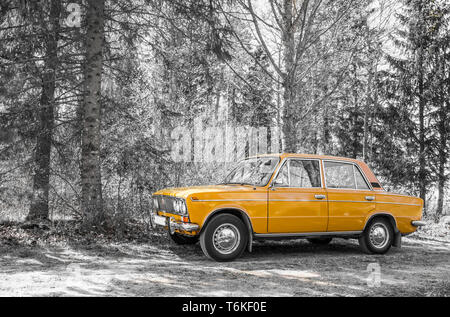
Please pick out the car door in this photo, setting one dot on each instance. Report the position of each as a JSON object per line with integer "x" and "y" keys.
{"x": 350, "y": 199}
{"x": 297, "y": 199}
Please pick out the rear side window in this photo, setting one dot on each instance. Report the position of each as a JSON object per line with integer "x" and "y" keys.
{"x": 344, "y": 175}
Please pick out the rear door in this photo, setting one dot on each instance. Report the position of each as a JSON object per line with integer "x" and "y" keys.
{"x": 350, "y": 198}
{"x": 297, "y": 199}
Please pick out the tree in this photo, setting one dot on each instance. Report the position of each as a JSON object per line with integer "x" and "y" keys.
{"x": 439, "y": 96}
{"x": 299, "y": 27}
{"x": 41, "y": 178}
{"x": 410, "y": 71}
{"x": 91, "y": 200}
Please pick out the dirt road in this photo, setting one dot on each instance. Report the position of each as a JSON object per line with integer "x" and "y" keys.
{"x": 288, "y": 268}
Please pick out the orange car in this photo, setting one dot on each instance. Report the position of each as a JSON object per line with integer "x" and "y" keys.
{"x": 288, "y": 196}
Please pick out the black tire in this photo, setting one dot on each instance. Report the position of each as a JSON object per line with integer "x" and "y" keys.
{"x": 320, "y": 241}
{"x": 219, "y": 227}
{"x": 372, "y": 243}
{"x": 181, "y": 239}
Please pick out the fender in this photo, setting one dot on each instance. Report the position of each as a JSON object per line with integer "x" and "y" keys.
{"x": 233, "y": 210}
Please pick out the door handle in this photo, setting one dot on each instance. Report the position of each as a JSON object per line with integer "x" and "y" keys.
{"x": 370, "y": 198}
{"x": 320, "y": 196}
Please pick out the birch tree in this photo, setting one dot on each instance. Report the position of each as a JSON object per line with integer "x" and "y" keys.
{"x": 298, "y": 25}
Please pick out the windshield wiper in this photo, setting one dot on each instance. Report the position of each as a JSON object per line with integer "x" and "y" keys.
{"x": 235, "y": 183}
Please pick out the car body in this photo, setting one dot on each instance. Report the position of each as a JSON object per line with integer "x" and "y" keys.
{"x": 277, "y": 196}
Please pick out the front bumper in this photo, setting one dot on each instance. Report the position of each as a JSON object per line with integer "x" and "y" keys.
{"x": 417, "y": 223}
{"x": 174, "y": 225}
{"x": 182, "y": 226}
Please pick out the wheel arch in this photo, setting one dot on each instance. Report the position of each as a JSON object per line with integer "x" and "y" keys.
{"x": 241, "y": 214}
{"x": 385, "y": 215}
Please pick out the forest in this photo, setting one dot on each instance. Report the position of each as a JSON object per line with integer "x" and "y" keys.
{"x": 96, "y": 97}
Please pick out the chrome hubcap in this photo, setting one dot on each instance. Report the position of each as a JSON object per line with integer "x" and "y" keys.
{"x": 379, "y": 235}
{"x": 226, "y": 238}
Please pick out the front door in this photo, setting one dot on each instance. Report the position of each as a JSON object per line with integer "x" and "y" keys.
{"x": 297, "y": 199}
{"x": 350, "y": 198}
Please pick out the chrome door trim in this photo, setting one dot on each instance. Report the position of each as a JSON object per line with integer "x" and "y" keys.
{"x": 208, "y": 200}
{"x": 351, "y": 201}
{"x": 300, "y": 200}
{"x": 231, "y": 200}
{"x": 306, "y": 234}
{"x": 394, "y": 203}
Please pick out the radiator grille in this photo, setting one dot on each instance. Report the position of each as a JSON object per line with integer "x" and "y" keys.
{"x": 165, "y": 203}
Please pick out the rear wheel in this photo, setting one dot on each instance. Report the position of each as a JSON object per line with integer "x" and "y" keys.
{"x": 377, "y": 237}
{"x": 181, "y": 239}
{"x": 224, "y": 238}
{"x": 320, "y": 241}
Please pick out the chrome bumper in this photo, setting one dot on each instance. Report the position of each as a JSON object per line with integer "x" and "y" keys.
{"x": 173, "y": 225}
{"x": 183, "y": 226}
{"x": 417, "y": 223}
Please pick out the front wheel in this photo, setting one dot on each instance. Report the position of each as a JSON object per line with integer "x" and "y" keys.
{"x": 377, "y": 237}
{"x": 224, "y": 238}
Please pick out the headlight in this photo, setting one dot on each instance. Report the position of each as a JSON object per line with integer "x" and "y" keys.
{"x": 155, "y": 203}
{"x": 176, "y": 205}
{"x": 183, "y": 208}
{"x": 179, "y": 205}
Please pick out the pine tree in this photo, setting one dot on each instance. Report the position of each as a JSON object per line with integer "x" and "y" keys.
{"x": 92, "y": 204}
{"x": 41, "y": 179}
{"x": 411, "y": 101}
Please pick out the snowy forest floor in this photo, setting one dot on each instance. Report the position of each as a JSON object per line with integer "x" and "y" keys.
{"x": 156, "y": 267}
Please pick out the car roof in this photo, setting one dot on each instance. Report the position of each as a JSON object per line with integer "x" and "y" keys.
{"x": 366, "y": 169}
{"x": 303, "y": 155}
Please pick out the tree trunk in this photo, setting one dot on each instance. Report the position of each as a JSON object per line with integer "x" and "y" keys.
{"x": 369, "y": 102}
{"x": 288, "y": 42}
{"x": 422, "y": 163}
{"x": 41, "y": 178}
{"x": 441, "y": 179}
{"x": 326, "y": 134}
{"x": 355, "y": 140}
{"x": 444, "y": 131}
{"x": 93, "y": 215}
{"x": 420, "y": 69}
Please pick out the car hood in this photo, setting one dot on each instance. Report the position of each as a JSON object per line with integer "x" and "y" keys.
{"x": 185, "y": 192}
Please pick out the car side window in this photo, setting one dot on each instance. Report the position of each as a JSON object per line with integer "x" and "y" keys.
{"x": 299, "y": 174}
{"x": 305, "y": 173}
{"x": 360, "y": 182}
{"x": 344, "y": 175}
{"x": 339, "y": 175}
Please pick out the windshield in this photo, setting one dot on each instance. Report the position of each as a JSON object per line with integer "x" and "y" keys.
{"x": 252, "y": 171}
